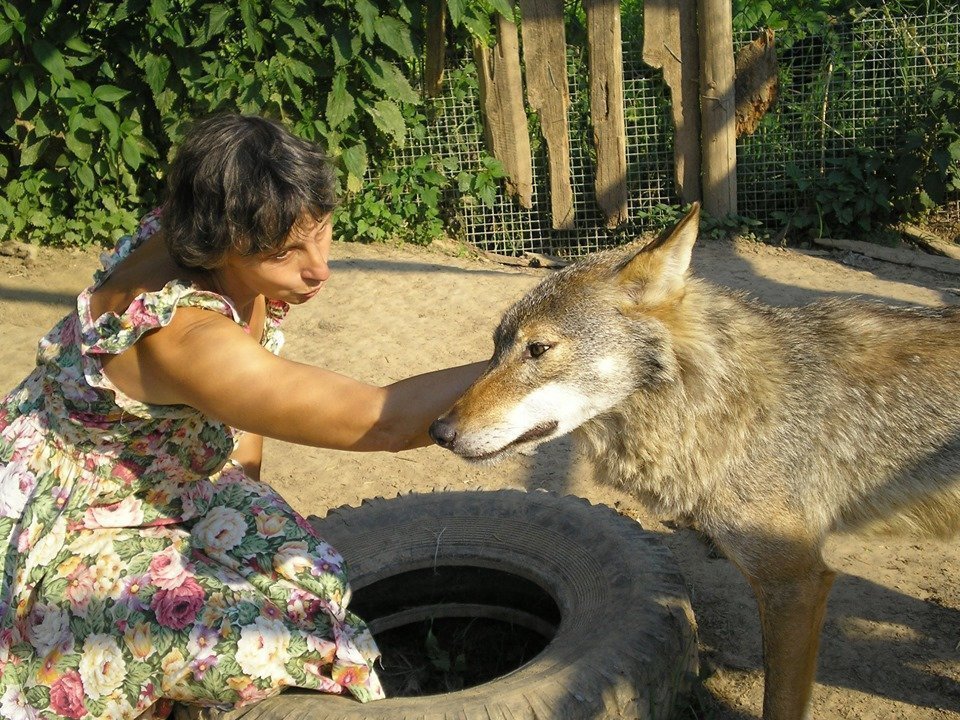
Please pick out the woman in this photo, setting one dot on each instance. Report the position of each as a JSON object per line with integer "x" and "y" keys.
{"x": 144, "y": 561}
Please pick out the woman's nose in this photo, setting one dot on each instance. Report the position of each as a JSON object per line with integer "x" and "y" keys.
{"x": 316, "y": 270}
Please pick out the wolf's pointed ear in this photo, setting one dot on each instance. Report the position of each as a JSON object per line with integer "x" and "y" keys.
{"x": 660, "y": 268}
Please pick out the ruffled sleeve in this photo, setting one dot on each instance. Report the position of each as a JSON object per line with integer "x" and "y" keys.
{"x": 127, "y": 244}
{"x": 112, "y": 333}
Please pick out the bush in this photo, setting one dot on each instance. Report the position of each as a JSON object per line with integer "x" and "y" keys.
{"x": 925, "y": 168}
{"x": 95, "y": 94}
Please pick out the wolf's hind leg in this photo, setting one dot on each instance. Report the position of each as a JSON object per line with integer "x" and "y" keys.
{"x": 791, "y": 583}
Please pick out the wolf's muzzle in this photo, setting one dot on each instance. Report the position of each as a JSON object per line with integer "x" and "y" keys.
{"x": 443, "y": 432}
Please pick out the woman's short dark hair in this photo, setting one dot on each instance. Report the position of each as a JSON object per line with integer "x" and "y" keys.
{"x": 240, "y": 183}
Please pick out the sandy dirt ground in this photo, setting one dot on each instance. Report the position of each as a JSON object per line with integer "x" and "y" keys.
{"x": 891, "y": 644}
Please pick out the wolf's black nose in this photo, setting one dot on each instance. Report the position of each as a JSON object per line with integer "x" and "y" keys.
{"x": 443, "y": 432}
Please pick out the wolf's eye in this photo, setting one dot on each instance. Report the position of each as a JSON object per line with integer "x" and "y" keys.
{"x": 536, "y": 349}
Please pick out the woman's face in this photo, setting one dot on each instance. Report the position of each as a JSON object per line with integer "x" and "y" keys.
{"x": 293, "y": 274}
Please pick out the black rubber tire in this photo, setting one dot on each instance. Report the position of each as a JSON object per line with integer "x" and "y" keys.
{"x": 625, "y": 646}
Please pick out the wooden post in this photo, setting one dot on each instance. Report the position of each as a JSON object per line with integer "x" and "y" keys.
{"x": 670, "y": 42}
{"x": 436, "y": 52}
{"x": 545, "y": 60}
{"x": 504, "y": 117}
{"x": 605, "y": 49}
{"x": 718, "y": 107}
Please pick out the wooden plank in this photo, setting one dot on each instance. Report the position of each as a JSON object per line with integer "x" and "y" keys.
{"x": 436, "y": 51}
{"x": 929, "y": 241}
{"x": 670, "y": 42}
{"x": 718, "y": 107}
{"x": 529, "y": 259}
{"x": 545, "y": 61}
{"x": 501, "y": 102}
{"x": 605, "y": 49}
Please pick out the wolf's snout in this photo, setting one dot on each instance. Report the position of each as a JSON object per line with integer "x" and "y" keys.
{"x": 443, "y": 432}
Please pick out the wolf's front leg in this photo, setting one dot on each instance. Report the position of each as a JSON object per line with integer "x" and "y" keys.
{"x": 791, "y": 583}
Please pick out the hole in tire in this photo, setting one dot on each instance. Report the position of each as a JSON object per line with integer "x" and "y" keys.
{"x": 451, "y": 627}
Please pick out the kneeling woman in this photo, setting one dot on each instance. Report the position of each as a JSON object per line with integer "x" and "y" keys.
{"x": 144, "y": 561}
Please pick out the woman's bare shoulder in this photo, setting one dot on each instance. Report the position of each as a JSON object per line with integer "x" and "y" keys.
{"x": 193, "y": 342}
{"x": 149, "y": 268}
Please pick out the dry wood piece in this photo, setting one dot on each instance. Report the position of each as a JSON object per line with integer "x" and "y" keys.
{"x": 545, "y": 59}
{"x": 757, "y": 82}
{"x": 670, "y": 42}
{"x": 528, "y": 259}
{"x": 605, "y": 66}
{"x": 929, "y": 241}
{"x": 504, "y": 117}
{"x": 717, "y": 107}
{"x": 900, "y": 256}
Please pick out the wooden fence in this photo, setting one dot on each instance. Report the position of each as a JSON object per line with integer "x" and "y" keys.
{"x": 690, "y": 40}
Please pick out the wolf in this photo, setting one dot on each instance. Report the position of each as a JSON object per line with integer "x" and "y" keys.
{"x": 765, "y": 427}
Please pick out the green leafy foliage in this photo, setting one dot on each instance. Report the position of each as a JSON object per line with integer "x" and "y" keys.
{"x": 480, "y": 186}
{"x": 732, "y": 225}
{"x": 401, "y": 204}
{"x": 408, "y": 203}
{"x": 850, "y": 195}
{"x": 867, "y": 189}
{"x": 95, "y": 94}
{"x": 926, "y": 165}
{"x": 794, "y": 20}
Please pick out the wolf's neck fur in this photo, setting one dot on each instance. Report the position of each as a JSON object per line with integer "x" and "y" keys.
{"x": 669, "y": 443}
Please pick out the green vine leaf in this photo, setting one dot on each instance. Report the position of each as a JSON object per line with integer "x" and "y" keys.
{"x": 108, "y": 119}
{"x": 456, "y": 10}
{"x": 131, "y": 153}
{"x": 86, "y": 176}
{"x": 340, "y": 103}
{"x": 51, "y": 60}
{"x": 30, "y": 153}
{"x": 109, "y": 93}
{"x": 369, "y": 14}
{"x": 355, "y": 159}
{"x": 156, "y": 68}
{"x": 389, "y": 119}
{"x": 396, "y": 35}
{"x": 216, "y": 21}
{"x": 387, "y": 77}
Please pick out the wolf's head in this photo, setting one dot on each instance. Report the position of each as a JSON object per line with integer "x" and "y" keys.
{"x": 578, "y": 344}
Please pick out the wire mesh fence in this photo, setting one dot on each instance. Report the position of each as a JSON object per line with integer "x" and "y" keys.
{"x": 840, "y": 90}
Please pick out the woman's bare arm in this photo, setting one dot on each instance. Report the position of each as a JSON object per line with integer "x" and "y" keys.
{"x": 206, "y": 361}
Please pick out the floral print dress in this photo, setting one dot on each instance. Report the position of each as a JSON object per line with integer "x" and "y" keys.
{"x": 140, "y": 565}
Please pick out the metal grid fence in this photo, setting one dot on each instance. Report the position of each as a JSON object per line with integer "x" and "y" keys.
{"x": 508, "y": 228}
{"x": 838, "y": 92}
